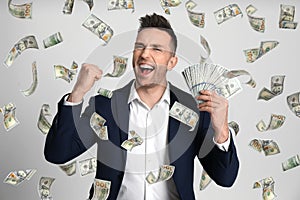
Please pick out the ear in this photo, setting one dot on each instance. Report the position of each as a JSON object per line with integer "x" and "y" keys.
{"x": 172, "y": 63}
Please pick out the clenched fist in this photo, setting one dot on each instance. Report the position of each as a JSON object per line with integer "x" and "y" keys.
{"x": 88, "y": 75}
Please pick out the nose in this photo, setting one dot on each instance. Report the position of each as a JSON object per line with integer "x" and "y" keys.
{"x": 145, "y": 52}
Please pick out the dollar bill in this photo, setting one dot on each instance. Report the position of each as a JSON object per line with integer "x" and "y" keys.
{"x": 17, "y": 177}
{"x": 293, "y": 102}
{"x": 97, "y": 124}
{"x": 265, "y": 46}
{"x": 68, "y": 7}
{"x": 227, "y": 13}
{"x": 20, "y": 11}
{"x": 205, "y": 180}
{"x": 257, "y": 23}
{"x": 165, "y": 173}
{"x": 232, "y": 87}
{"x": 120, "y": 4}
{"x": 23, "y": 44}
{"x": 206, "y": 76}
{"x": 205, "y": 45}
{"x": 120, "y": 64}
{"x": 44, "y": 187}
{"x": 43, "y": 123}
{"x": 34, "y": 83}
{"x": 9, "y": 113}
{"x": 270, "y": 147}
{"x": 276, "y": 122}
{"x": 196, "y": 18}
{"x": 65, "y": 73}
{"x": 235, "y": 126}
{"x": 101, "y": 189}
{"x": 236, "y": 73}
{"x": 166, "y": 4}
{"x": 286, "y": 19}
{"x": 105, "y": 92}
{"x": 276, "y": 88}
{"x": 99, "y": 28}
{"x": 134, "y": 141}
{"x": 291, "y": 163}
{"x": 52, "y": 40}
{"x": 69, "y": 169}
{"x": 267, "y": 184}
{"x": 184, "y": 115}
{"x": 87, "y": 166}
{"x": 256, "y": 144}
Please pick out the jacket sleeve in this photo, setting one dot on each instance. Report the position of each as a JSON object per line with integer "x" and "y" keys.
{"x": 70, "y": 134}
{"x": 221, "y": 166}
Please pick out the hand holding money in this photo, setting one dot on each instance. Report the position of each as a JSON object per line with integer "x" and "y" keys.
{"x": 217, "y": 106}
{"x": 88, "y": 74}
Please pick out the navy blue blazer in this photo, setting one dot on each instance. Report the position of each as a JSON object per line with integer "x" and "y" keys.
{"x": 70, "y": 135}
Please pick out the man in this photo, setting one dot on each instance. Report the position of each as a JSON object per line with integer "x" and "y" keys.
{"x": 143, "y": 106}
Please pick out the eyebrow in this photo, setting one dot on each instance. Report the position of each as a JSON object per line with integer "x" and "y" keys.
{"x": 151, "y": 45}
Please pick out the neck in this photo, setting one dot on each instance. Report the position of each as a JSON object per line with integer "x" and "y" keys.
{"x": 150, "y": 95}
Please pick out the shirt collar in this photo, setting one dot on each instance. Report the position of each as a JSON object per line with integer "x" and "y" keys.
{"x": 135, "y": 96}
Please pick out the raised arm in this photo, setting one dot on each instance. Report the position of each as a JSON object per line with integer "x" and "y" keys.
{"x": 70, "y": 133}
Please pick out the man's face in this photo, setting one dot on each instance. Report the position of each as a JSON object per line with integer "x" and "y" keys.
{"x": 152, "y": 57}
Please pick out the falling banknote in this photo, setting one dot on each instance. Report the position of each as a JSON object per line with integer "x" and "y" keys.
{"x": 120, "y": 64}
{"x": 101, "y": 189}
{"x": 20, "y": 11}
{"x": 275, "y": 123}
{"x": 120, "y": 4}
{"x": 268, "y": 188}
{"x": 134, "y": 141}
{"x": 276, "y": 88}
{"x": 257, "y": 23}
{"x": 286, "y": 19}
{"x": 184, "y": 115}
{"x": 196, "y": 18}
{"x": 205, "y": 45}
{"x": 87, "y": 166}
{"x": 65, "y": 73}
{"x": 43, "y": 123}
{"x": 44, "y": 187}
{"x": 69, "y": 169}
{"x": 34, "y": 83}
{"x": 97, "y": 124}
{"x": 17, "y": 177}
{"x": 99, "y": 28}
{"x": 105, "y": 92}
{"x": 269, "y": 147}
{"x": 205, "y": 180}
{"x": 9, "y": 120}
{"x": 165, "y": 173}
{"x": 291, "y": 163}
{"x": 265, "y": 46}
{"x": 68, "y": 6}
{"x": 293, "y": 102}
{"x": 52, "y": 40}
{"x": 166, "y": 4}
{"x": 23, "y": 44}
{"x": 227, "y": 13}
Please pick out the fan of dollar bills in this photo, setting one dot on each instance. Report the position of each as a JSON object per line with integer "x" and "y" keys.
{"x": 207, "y": 76}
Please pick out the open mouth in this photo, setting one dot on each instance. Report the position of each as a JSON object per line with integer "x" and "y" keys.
{"x": 146, "y": 69}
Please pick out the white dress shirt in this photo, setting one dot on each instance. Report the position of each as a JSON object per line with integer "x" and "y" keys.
{"x": 152, "y": 126}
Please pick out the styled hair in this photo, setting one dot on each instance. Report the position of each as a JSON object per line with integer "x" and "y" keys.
{"x": 161, "y": 23}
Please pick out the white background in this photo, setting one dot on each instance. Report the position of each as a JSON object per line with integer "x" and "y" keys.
{"x": 22, "y": 147}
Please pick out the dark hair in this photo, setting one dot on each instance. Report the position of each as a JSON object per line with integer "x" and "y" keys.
{"x": 159, "y": 22}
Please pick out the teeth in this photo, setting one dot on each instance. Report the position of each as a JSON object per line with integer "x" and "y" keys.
{"x": 146, "y": 67}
